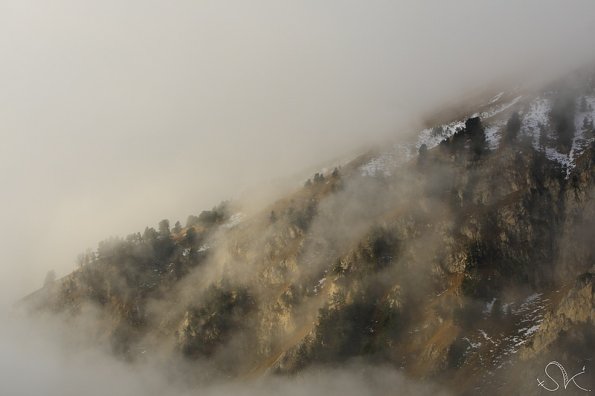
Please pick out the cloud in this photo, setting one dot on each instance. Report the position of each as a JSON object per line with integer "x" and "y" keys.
{"x": 49, "y": 357}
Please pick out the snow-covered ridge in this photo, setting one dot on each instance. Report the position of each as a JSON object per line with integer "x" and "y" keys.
{"x": 497, "y": 109}
{"x": 432, "y": 137}
{"x": 534, "y": 122}
{"x": 387, "y": 161}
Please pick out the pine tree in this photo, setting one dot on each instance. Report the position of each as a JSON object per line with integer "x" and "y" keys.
{"x": 422, "y": 154}
{"x": 476, "y": 132}
{"x": 513, "y": 127}
{"x": 177, "y": 227}
{"x": 318, "y": 178}
{"x": 190, "y": 237}
{"x": 164, "y": 228}
{"x": 149, "y": 235}
{"x": 562, "y": 117}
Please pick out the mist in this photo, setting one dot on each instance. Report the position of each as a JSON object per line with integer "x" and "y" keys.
{"x": 116, "y": 115}
{"x": 54, "y": 357}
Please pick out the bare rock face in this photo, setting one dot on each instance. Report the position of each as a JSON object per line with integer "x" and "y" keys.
{"x": 575, "y": 308}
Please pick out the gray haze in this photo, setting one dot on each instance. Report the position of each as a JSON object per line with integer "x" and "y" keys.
{"x": 116, "y": 114}
{"x": 62, "y": 363}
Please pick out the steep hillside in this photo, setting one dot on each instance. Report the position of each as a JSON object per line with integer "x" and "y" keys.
{"x": 465, "y": 257}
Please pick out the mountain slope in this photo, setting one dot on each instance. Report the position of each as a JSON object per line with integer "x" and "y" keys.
{"x": 464, "y": 257}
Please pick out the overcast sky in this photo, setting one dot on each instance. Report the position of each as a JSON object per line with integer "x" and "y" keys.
{"x": 115, "y": 114}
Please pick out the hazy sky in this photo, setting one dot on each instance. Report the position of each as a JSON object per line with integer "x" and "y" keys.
{"x": 116, "y": 114}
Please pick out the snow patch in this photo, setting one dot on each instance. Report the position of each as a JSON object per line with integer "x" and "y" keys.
{"x": 538, "y": 114}
{"x": 398, "y": 154}
{"x": 531, "y": 330}
{"x": 234, "y": 220}
{"x": 496, "y": 98}
{"x": 489, "y": 306}
{"x": 493, "y": 135}
{"x": 581, "y": 140}
{"x": 474, "y": 345}
{"x": 533, "y": 298}
{"x": 486, "y": 336}
{"x": 320, "y": 285}
{"x": 497, "y": 109}
{"x": 432, "y": 137}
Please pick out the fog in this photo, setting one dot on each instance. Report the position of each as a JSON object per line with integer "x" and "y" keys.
{"x": 60, "y": 363}
{"x": 115, "y": 114}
